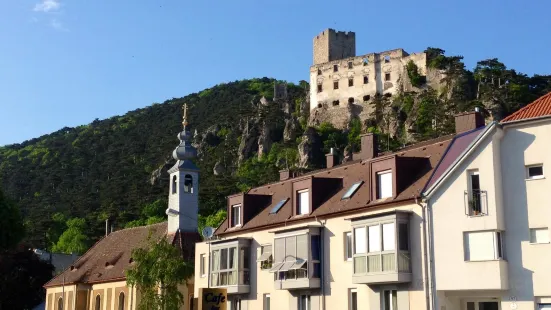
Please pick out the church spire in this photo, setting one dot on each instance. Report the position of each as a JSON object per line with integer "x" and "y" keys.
{"x": 184, "y": 151}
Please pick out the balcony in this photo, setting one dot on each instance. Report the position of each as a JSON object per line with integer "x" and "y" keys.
{"x": 381, "y": 249}
{"x": 476, "y": 202}
{"x": 230, "y": 265}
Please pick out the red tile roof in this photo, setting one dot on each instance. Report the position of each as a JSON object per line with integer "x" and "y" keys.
{"x": 109, "y": 258}
{"x": 540, "y": 107}
{"x": 350, "y": 173}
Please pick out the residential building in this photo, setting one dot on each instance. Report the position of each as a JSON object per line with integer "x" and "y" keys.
{"x": 97, "y": 280}
{"x": 347, "y": 237}
{"x": 488, "y": 216}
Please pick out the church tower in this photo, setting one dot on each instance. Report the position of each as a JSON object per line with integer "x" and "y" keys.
{"x": 183, "y": 196}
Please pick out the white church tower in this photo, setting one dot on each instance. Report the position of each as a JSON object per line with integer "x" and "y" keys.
{"x": 183, "y": 196}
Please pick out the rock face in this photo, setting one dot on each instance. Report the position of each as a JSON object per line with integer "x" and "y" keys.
{"x": 309, "y": 149}
{"x": 290, "y": 131}
{"x": 218, "y": 169}
{"x": 264, "y": 140}
{"x": 249, "y": 144}
{"x": 160, "y": 175}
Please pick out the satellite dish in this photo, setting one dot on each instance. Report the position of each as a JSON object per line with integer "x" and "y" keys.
{"x": 207, "y": 232}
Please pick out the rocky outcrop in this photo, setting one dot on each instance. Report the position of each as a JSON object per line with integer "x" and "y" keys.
{"x": 290, "y": 131}
{"x": 309, "y": 149}
{"x": 160, "y": 175}
{"x": 218, "y": 169}
{"x": 264, "y": 140}
{"x": 249, "y": 144}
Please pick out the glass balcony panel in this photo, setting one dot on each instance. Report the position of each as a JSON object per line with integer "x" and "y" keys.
{"x": 403, "y": 262}
{"x": 389, "y": 262}
{"x": 374, "y": 263}
{"x": 360, "y": 264}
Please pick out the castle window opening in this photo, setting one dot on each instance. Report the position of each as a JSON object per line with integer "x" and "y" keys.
{"x": 335, "y": 68}
{"x": 366, "y": 79}
{"x": 319, "y": 105}
{"x": 350, "y": 82}
{"x": 349, "y": 65}
{"x": 335, "y": 103}
{"x": 387, "y": 59}
{"x": 388, "y": 95}
{"x": 387, "y": 76}
{"x": 351, "y": 100}
{"x": 336, "y": 85}
{"x": 320, "y": 89}
{"x": 366, "y": 98}
{"x": 366, "y": 61}
{"x": 319, "y": 71}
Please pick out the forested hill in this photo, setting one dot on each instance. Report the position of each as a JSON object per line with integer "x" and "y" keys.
{"x": 104, "y": 169}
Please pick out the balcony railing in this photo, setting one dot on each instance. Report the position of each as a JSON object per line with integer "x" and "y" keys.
{"x": 228, "y": 278}
{"x": 476, "y": 202}
{"x": 382, "y": 262}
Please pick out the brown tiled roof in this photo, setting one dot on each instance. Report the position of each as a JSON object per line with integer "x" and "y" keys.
{"x": 539, "y": 108}
{"x": 350, "y": 173}
{"x": 109, "y": 258}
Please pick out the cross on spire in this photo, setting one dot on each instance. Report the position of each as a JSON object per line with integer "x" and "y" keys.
{"x": 184, "y": 118}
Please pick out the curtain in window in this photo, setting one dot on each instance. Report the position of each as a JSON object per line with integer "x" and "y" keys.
{"x": 223, "y": 259}
{"x": 233, "y": 258}
{"x": 215, "y": 260}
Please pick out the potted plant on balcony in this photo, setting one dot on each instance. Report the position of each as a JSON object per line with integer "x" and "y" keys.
{"x": 474, "y": 207}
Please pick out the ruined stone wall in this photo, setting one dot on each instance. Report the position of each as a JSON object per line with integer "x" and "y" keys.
{"x": 333, "y": 45}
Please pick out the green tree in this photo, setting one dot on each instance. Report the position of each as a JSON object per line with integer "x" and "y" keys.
{"x": 158, "y": 272}
{"x": 212, "y": 220}
{"x": 11, "y": 223}
{"x": 74, "y": 239}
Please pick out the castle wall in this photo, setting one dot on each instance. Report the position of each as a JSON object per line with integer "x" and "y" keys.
{"x": 332, "y": 45}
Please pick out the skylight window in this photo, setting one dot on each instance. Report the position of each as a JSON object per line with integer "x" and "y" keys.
{"x": 278, "y": 206}
{"x": 352, "y": 190}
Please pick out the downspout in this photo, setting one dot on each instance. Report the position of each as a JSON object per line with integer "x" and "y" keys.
{"x": 426, "y": 264}
{"x": 132, "y": 297}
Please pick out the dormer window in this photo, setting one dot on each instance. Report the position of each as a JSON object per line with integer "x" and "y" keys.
{"x": 236, "y": 215}
{"x": 303, "y": 202}
{"x": 384, "y": 184}
{"x": 174, "y": 184}
{"x": 188, "y": 184}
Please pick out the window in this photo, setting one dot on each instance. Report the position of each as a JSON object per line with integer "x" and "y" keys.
{"x": 366, "y": 79}
{"x": 278, "y": 206}
{"x": 291, "y": 256}
{"x": 304, "y": 302}
{"x": 483, "y": 245}
{"x": 335, "y": 103}
{"x": 174, "y": 184}
{"x": 403, "y": 237}
{"x": 202, "y": 265}
{"x": 384, "y": 184}
{"x": 303, "y": 200}
{"x": 235, "y": 304}
{"x": 366, "y": 98}
{"x": 335, "y": 68}
{"x": 265, "y": 258}
{"x": 98, "y": 303}
{"x": 387, "y": 59}
{"x": 360, "y": 237}
{"x": 188, "y": 184}
{"x": 389, "y": 237}
{"x": 353, "y": 299}
{"x": 351, "y": 100}
{"x": 60, "y": 303}
{"x": 224, "y": 265}
{"x": 350, "y": 82}
{"x": 319, "y": 71}
{"x": 365, "y": 61}
{"x": 374, "y": 238}
{"x": 316, "y": 247}
{"x": 352, "y": 190}
{"x": 387, "y": 76}
{"x": 482, "y": 305}
{"x": 236, "y": 215}
{"x": 390, "y": 300}
{"x": 336, "y": 85}
{"x": 475, "y": 201}
{"x": 350, "y": 65}
{"x": 348, "y": 246}
{"x": 534, "y": 172}
{"x": 266, "y": 301}
{"x": 539, "y": 235}
{"x": 121, "y": 301}
{"x": 320, "y": 89}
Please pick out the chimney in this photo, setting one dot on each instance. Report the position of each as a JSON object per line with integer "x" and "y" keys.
{"x": 369, "y": 146}
{"x": 331, "y": 159}
{"x": 468, "y": 121}
{"x": 284, "y": 174}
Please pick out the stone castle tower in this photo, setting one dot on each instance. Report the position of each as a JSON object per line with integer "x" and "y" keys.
{"x": 183, "y": 196}
{"x": 332, "y": 45}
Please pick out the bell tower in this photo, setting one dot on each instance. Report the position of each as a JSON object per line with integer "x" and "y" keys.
{"x": 183, "y": 195}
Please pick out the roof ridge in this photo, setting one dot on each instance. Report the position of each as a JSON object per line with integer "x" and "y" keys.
{"x": 529, "y": 105}
{"x": 136, "y": 227}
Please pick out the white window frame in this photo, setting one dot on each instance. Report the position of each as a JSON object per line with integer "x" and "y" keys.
{"x": 300, "y": 210}
{"x": 348, "y": 246}
{"x": 380, "y": 191}
{"x": 202, "y": 269}
{"x": 535, "y": 241}
{"x": 498, "y": 253}
{"x": 308, "y": 303}
{"x": 537, "y": 177}
{"x": 393, "y": 292}
{"x": 267, "y": 302}
{"x": 350, "y": 292}
{"x": 233, "y": 208}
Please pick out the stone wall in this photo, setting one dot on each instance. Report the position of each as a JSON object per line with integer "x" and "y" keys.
{"x": 332, "y": 45}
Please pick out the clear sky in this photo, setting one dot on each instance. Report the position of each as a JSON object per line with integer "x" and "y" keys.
{"x": 67, "y": 62}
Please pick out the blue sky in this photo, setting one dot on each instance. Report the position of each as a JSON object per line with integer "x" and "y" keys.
{"x": 67, "y": 62}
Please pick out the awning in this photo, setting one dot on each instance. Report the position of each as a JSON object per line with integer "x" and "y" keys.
{"x": 287, "y": 265}
{"x": 264, "y": 257}
{"x": 298, "y": 264}
{"x": 276, "y": 267}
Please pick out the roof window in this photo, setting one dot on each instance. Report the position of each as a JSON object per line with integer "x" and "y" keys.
{"x": 278, "y": 206}
{"x": 352, "y": 190}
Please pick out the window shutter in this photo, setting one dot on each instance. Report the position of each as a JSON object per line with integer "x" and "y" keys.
{"x": 279, "y": 255}
{"x": 480, "y": 245}
{"x": 302, "y": 247}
